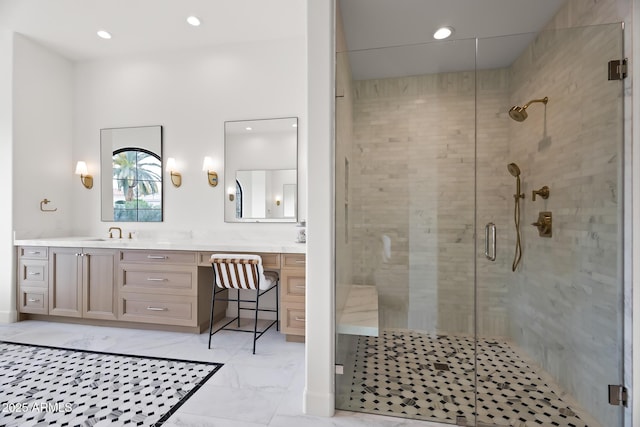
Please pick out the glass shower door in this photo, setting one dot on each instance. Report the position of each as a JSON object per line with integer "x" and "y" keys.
{"x": 549, "y": 334}
{"x": 427, "y": 166}
{"x": 405, "y": 150}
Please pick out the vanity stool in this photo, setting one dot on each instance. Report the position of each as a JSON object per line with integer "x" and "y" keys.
{"x": 242, "y": 272}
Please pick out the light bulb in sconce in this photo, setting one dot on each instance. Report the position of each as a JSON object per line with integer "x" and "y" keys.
{"x": 176, "y": 177}
{"x": 232, "y": 193}
{"x": 278, "y": 200}
{"x": 85, "y": 178}
{"x": 208, "y": 167}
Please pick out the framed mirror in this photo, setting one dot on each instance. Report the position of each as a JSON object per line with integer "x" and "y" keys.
{"x": 261, "y": 170}
{"x": 131, "y": 166}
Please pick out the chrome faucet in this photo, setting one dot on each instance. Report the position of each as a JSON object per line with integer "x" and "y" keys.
{"x": 115, "y": 228}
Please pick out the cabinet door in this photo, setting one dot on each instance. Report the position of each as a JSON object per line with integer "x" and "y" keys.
{"x": 65, "y": 276}
{"x": 98, "y": 284}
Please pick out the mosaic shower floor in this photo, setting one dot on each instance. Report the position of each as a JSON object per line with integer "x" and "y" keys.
{"x": 431, "y": 377}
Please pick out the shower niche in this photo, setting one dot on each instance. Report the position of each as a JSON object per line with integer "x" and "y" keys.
{"x": 463, "y": 340}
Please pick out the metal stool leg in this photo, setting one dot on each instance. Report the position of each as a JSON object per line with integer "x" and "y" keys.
{"x": 277, "y": 307}
{"x": 213, "y": 301}
{"x": 255, "y": 323}
{"x": 238, "y": 306}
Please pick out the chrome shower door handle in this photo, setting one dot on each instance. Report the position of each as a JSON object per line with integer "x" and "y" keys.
{"x": 490, "y": 235}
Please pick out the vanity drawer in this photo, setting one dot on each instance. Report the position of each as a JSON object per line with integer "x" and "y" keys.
{"x": 293, "y": 318}
{"x": 33, "y": 273}
{"x": 294, "y": 260}
{"x": 270, "y": 261}
{"x": 33, "y": 252}
{"x": 160, "y": 309}
{"x": 158, "y": 257}
{"x": 33, "y": 300}
{"x": 165, "y": 279}
{"x": 293, "y": 285}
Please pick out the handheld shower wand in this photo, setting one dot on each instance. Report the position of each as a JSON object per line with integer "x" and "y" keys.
{"x": 515, "y": 171}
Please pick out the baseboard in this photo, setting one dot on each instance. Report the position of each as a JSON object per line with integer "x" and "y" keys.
{"x": 8, "y": 316}
{"x": 319, "y": 404}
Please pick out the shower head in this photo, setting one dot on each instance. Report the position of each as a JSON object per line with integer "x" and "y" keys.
{"x": 519, "y": 114}
{"x": 513, "y": 169}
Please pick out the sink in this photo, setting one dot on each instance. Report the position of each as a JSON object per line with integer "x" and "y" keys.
{"x": 97, "y": 239}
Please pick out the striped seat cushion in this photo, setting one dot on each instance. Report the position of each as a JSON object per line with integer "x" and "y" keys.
{"x": 234, "y": 271}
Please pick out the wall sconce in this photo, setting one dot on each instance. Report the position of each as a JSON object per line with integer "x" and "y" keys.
{"x": 232, "y": 193}
{"x": 87, "y": 180}
{"x": 277, "y": 200}
{"x": 176, "y": 177}
{"x": 207, "y": 166}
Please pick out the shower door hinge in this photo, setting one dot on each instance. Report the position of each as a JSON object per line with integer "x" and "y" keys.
{"x": 618, "y": 395}
{"x": 339, "y": 369}
{"x": 618, "y": 69}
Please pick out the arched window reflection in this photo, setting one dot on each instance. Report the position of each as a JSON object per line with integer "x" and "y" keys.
{"x": 137, "y": 185}
{"x": 238, "y": 199}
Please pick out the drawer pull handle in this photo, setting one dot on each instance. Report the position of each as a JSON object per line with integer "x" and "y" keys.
{"x": 301, "y": 261}
{"x": 34, "y": 252}
{"x": 154, "y": 279}
{"x": 33, "y": 273}
{"x": 157, "y": 309}
{"x": 301, "y": 286}
{"x": 33, "y": 300}
{"x": 157, "y": 257}
{"x": 301, "y": 319}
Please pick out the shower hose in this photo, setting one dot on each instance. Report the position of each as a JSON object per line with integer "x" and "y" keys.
{"x": 516, "y": 220}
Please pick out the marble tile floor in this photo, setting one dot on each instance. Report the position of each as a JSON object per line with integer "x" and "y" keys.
{"x": 264, "y": 389}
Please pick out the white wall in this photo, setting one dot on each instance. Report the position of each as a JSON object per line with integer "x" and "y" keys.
{"x": 42, "y": 140}
{"x": 319, "y": 388}
{"x": 36, "y": 128}
{"x": 191, "y": 94}
{"x": 7, "y": 252}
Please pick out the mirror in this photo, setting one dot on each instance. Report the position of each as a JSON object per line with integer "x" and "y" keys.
{"x": 131, "y": 165}
{"x": 261, "y": 170}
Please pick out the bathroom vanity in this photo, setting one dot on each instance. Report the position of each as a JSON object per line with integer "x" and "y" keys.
{"x": 145, "y": 284}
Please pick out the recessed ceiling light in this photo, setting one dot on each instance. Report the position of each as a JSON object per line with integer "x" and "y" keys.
{"x": 248, "y": 128}
{"x": 295, "y": 125}
{"x": 104, "y": 34}
{"x": 193, "y": 20}
{"x": 443, "y": 33}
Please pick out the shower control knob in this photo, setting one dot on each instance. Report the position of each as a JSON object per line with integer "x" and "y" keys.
{"x": 543, "y": 192}
{"x": 544, "y": 224}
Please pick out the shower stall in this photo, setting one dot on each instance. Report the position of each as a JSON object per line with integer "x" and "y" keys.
{"x": 435, "y": 319}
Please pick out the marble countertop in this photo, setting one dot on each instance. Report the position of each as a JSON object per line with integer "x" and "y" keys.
{"x": 193, "y": 244}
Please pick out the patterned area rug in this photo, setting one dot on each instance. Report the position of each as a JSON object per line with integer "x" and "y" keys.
{"x": 62, "y": 387}
{"x": 431, "y": 377}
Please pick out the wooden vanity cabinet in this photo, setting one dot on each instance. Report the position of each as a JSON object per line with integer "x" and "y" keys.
{"x": 33, "y": 280}
{"x": 293, "y": 286}
{"x": 171, "y": 289}
{"x": 82, "y": 283}
{"x": 99, "y": 284}
{"x": 164, "y": 287}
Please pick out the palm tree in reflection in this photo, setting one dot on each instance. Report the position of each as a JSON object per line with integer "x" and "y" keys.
{"x": 136, "y": 172}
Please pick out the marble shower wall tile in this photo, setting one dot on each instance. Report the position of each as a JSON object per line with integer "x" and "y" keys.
{"x": 565, "y": 304}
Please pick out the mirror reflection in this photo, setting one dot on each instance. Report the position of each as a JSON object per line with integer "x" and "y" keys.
{"x": 131, "y": 185}
{"x": 261, "y": 159}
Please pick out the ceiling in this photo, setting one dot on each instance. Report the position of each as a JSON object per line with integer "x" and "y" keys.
{"x": 69, "y": 26}
{"x": 386, "y": 37}
{"x": 391, "y": 38}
